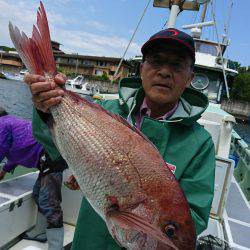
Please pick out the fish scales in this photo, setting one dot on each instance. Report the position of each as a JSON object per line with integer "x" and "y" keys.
{"x": 104, "y": 156}
{"x": 98, "y": 148}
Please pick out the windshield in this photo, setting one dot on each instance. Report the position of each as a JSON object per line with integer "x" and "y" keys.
{"x": 206, "y": 48}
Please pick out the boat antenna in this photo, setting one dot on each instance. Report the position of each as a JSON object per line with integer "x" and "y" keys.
{"x": 197, "y": 28}
{"x": 226, "y": 28}
{"x": 204, "y": 11}
{"x": 220, "y": 50}
{"x": 125, "y": 52}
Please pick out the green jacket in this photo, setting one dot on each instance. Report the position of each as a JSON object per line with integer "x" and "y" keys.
{"x": 182, "y": 142}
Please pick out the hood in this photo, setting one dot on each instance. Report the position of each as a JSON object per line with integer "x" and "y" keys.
{"x": 191, "y": 105}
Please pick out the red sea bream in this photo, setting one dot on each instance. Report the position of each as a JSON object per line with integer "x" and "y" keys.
{"x": 120, "y": 172}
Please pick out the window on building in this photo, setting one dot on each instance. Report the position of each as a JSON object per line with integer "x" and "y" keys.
{"x": 99, "y": 72}
{"x": 72, "y": 60}
{"x": 86, "y": 62}
{"x": 59, "y": 59}
{"x": 101, "y": 63}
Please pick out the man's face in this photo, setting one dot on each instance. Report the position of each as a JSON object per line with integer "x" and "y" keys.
{"x": 165, "y": 73}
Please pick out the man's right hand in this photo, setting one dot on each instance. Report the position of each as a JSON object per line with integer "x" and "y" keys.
{"x": 45, "y": 94}
{"x": 72, "y": 183}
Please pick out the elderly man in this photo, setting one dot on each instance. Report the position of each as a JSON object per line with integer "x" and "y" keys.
{"x": 166, "y": 111}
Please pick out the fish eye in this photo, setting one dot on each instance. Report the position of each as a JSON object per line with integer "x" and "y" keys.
{"x": 169, "y": 230}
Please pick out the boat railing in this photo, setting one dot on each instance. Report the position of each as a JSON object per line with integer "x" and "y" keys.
{"x": 241, "y": 148}
{"x": 241, "y": 152}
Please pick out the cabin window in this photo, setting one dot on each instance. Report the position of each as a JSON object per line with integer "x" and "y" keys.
{"x": 206, "y": 48}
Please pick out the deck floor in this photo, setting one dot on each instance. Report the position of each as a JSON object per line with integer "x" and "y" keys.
{"x": 238, "y": 218}
{"x": 34, "y": 245}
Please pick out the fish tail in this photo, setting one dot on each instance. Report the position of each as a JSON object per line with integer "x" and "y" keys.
{"x": 128, "y": 220}
{"x": 41, "y": 36}
{"x": 36, "y": 52}
{"x": 26, "y": 49}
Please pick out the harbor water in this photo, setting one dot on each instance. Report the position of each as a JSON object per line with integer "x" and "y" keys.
{"x": 15, "y": 98}
{"x": 243, "y": 129}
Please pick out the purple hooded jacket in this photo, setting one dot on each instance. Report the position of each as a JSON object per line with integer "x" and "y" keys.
{"x": 17, "y": 143}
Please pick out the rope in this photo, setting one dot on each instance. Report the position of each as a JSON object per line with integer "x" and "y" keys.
{"x": 125, "y": 52}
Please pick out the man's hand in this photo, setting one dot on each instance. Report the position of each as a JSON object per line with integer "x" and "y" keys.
{"x": 71, "y": 183}
{"x": 45, "y": 94}
{"x": 2, "y": 174}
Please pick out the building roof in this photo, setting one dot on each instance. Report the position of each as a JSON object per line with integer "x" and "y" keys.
{"x": 96, "y": 58}
{"x": 10, "y": 54}
{"x": 103, "y": 58}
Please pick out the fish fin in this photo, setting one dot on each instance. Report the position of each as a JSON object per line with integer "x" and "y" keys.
{"x": 41, "y": 36}
{"x": 36, "y": 52}
{"x": 26, "y": 49}
{"x": 127, "y": 220}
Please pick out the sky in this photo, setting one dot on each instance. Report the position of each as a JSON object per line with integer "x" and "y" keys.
{"x": 104, "y": 27}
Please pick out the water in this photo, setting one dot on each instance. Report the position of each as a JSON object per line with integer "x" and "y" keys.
{"x": 243, "y": 129}
{"x": 15, "y": 98}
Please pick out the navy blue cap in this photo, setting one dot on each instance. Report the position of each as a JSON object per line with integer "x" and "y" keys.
{"x": 171, "y": 35}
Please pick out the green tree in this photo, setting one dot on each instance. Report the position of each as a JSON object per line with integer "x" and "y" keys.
{"x": 105, "y": 76}
{"x": 241, "y": 87}
{"x": 233, "y": 65}
{"x": 7, "y": 49}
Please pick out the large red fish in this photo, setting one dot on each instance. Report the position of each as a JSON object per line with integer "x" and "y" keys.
{"x": 120, "y": 172}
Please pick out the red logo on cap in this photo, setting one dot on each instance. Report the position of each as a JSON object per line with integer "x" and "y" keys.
{"x": 175, "y": 32}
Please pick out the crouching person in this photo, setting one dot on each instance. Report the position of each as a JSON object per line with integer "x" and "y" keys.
{"x": 19, "y": 147}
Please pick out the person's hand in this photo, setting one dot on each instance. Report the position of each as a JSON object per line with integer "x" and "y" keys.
{"x": 71, "y": 183}
{"x": 2, "y": 174}
{"x": 45, "y": 94}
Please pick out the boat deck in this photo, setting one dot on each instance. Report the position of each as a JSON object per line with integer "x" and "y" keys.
{"x": 18, "y": 213}
{"x": 237, "y": 219}
{"x": 34, "y": 245}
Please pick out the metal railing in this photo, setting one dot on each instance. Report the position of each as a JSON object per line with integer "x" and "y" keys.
{"x": 241, "y": 152}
